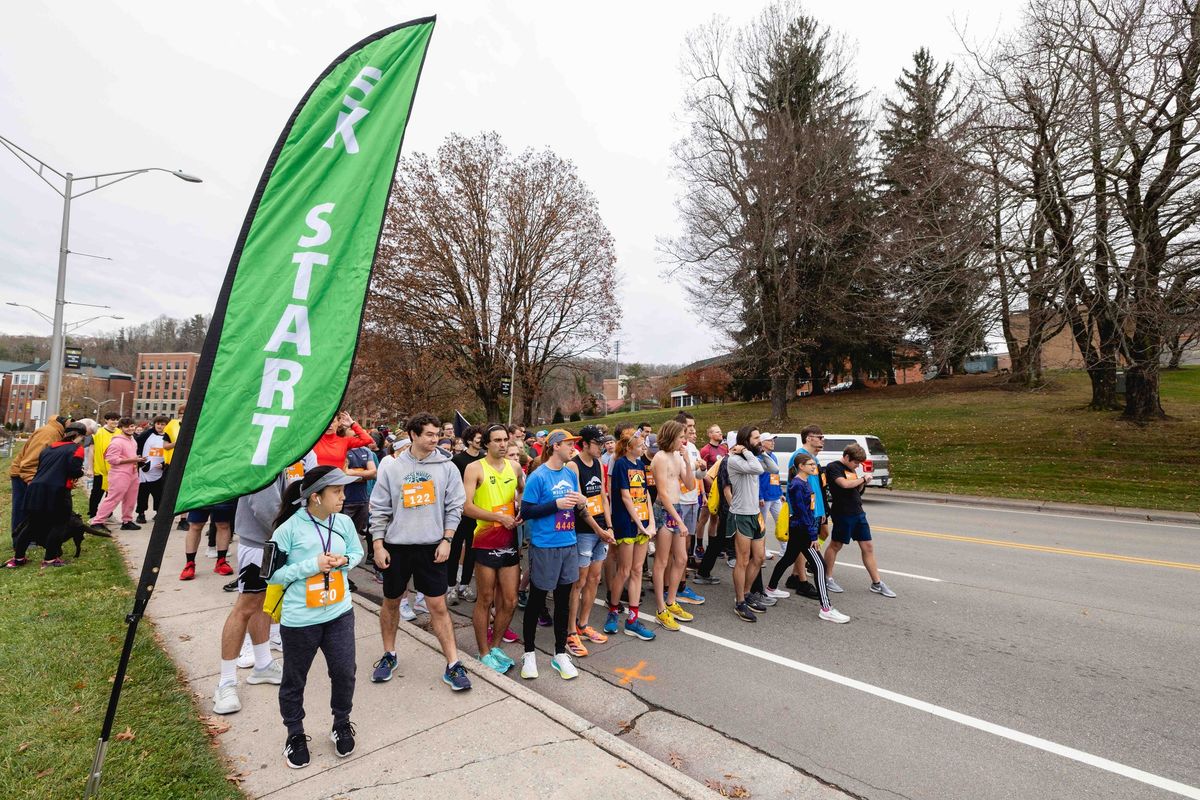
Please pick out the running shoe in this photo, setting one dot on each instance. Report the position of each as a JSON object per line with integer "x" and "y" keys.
{"x": 295, "y": 750}
{"x": 752, "y": 602}
{"x": 575, "y": 646}
{"x": 641, "y": 631}
{"x": 130, "y": 526}
{"x": 384, "y": 668}
{"x": 377, "y": 576}
{"x": 762, "y": 599}
{"x": 686, "y": 595}
{"x": 141, "y": 519}
{"x": 833, "y": 586}
{"x": 181, "y": 525}
{"x": 778, "y": 594}
{"x": 544, "y": 620}
{"x": 419, "y": 604}
{"x": 209, "y": 553}
{"x": 406, "y": 611}
{"x": 566, "y": 670}
{"x": 744, "y": 612}
{"x": 679, "y": 614}
{"x": 493, "y": 663}
{"x": 343, "y": 738}
{"x": 456, "y": 678}
{"x": 225, "y": 700}
{"x": 665, "y": 619}
{"x": 706, "y": 580}
{"x": 522, "y": 601}
{"x": 877, "y": 588}
{"x": 793, "y": 582}
{"x": 276, "y": 641}
{"x": 60, "y": 562}
{"x": 245, "y": 659}
{"x": 771, "y": 555}
{"x": 272, "y": 674}
{"x": 502, "y": 657}
{"x": 231, "y": 586}
{"x": 612, "y": 622}
{"x": 806, "y": 589}
{"x": 832, "y": 615}
{"x": 15, "y": 563}
{"x": 731, "y": 562}
{"x": 222, "y": 567}
{"x": 510, "y": 636}
{"x": 529, "y": 666}
{"x": 592, "y": 635}
{"x": 466, "y": 594}
{"x": 189, "y": 571}
{"x": 452, "y": 596}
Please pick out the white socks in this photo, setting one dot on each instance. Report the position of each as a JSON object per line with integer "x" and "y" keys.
{"x": 228, "y": 672}
{"x": 262, "y": 655}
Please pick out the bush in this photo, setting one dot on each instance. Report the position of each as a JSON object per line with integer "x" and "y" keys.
{"x": 558, "y": 416}
{"x": 575, "y": 416}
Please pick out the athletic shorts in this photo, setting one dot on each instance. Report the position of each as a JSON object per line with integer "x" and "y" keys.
{"x": 551, "y": 567}
{"x": 359, "y": 515}
{"x": 663, "y": 520}
{"x": 690, "y": 513}
{"x": 853, "y": 527}
{"x": 590, "y": 549}
{"x": 250, "y": 580}
{"x": 221, "y": 513}
{"x": 500, "y": 558}
{"x": 745, "y": 524}
{"x": 638, "y": 538}
{"x": 413, "y": 561}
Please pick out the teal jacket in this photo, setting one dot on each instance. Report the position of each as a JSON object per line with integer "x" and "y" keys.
{"x": 299, "y": 538}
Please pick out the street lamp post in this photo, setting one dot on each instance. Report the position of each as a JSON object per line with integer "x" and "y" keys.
{"x": 68, "y": 193}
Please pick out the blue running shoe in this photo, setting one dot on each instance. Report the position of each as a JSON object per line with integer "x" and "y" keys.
{"x": 502, "y": 657}
{"x": 456, "y": 678}
{"x": 384, "y": 668}
{"x": 639, "y": 630}
{"x": 688, "y": 597}
{"x": 612, "y": 622}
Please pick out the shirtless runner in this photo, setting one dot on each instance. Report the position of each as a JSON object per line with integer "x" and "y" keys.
{"x": 672, "y": 470}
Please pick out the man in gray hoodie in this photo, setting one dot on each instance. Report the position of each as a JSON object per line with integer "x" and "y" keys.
{"x": 746, "y": 462}
{"x": 415, "y": 508}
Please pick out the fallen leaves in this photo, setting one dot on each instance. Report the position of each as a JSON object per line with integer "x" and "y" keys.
{"x": 22, "y": 747}
{"x": 75, "y": 709}
{"x": 236, "y": 778}
{"x": 126, "y": 735}
{"x": 44, "y": 773}
{"x": 215, "y": 725}
{"x": 624, "y": 726}
{"x": 727, "y": 789}
{"x": 80, "y": 685}
{"x": 675, "y": 759}
{"x": 183, "y": 637}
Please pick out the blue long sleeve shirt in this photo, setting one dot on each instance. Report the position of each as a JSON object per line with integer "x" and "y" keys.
{"x": 800, "y": 506}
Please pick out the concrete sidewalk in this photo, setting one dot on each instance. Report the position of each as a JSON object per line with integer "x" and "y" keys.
{"x": 415, "y": 738}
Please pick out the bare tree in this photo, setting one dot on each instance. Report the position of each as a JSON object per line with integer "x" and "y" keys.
{"x": 495, "y": 256}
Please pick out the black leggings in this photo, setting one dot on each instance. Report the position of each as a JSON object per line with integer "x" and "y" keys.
{"x": 145, "y": 492}
{"x": 562, "y": 609}
{"x": 812, "y": 557}
{"x": 96, "y": 496}
{"x": 461, "y": 541}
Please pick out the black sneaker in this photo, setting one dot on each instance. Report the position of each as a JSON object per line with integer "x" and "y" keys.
{"x": 806, "y": 589}
{"x": 706, "y": 580}
{"x": 743, "y": 611}
{"x": 295, "y": 751}
{"x": 231, "y": 586}
{"x": 343, "y": 738}
{"x": 754, "y": 605}
{"x": 130, "y": 526}
{"x": 181, "y": 525}
{"x": 792, "y": 582}
{"x": 141, "y": 519}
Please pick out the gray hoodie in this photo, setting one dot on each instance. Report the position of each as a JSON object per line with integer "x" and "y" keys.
{"x": 744, "y": 470}
{"x": 255, "y": 516}
{"x": 421, "y": 522}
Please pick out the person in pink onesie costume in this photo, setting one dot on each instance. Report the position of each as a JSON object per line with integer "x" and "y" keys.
{"x": 123, "y": 462}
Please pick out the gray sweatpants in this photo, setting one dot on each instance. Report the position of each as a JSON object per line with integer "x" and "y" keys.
{"x": 336, "y": 639}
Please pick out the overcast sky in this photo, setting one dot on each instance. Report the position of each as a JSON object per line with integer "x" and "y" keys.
{"x": 97, "y": 87}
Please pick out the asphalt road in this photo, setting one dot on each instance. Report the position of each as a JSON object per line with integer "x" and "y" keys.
{"x": 1059, "y": 659}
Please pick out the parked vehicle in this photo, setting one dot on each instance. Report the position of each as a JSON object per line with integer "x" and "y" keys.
{"x": 877, "y": 465}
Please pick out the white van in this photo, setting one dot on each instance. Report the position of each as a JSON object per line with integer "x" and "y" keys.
{"x": 877, "y": 465}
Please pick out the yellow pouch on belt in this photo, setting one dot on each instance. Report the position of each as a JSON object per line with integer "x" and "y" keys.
{"x": 781, "y": 522}
{"x": 273, "y": 601}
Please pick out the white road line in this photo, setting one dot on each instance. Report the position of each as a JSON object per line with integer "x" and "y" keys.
{"x": 1048, "y": 746}
{"x": 893, "y": 572}
{"x": 1115, "y": 520}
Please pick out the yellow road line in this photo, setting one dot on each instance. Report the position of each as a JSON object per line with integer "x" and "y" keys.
{"x": 1153, "y": 562}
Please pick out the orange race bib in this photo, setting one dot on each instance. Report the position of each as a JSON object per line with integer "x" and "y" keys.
{"x": 295, "y": 472}
{"x": 155, "y": 452}
{"x": 506, "y": 508}
{"x": 317, "y": 596}
{"x": 595, "y": 505}
{"x": 774, "y": 478}
{"x": 418, "y": 494}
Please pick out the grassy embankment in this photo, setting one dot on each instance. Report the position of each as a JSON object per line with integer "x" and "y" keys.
{"x": 63, "y": 632}
{"x": 972, "y": 435}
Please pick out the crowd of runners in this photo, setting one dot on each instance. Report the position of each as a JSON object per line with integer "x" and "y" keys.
{"x": 545, "y": 525}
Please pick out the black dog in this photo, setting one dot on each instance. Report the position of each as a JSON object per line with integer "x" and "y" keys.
{"x": 74, "y": 529}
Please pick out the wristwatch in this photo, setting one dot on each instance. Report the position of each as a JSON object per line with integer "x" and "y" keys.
{"x": 448, "y": 539}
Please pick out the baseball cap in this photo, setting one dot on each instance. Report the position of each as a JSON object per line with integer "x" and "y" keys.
{"x": 607, "y": 438}
{"x": 652, "y": 443}
{"x": 558, "y": 435}
{"x": 590, "y": 433}
{"x": 766, "y": 437}
{"x": 543, "y": 433}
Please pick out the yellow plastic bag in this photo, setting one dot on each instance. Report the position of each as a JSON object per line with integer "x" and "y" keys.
{"x": 714, "y": 494}
{"x": 273, "y": 601}
{"x": 781, "y": 522}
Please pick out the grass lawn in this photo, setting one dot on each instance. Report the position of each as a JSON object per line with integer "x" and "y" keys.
{"x": 63, "y": 631}
{"x": 972, "y": 435}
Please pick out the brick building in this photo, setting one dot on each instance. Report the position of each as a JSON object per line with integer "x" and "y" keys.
{"x": 85, "y": 390}
{"x": 163, "y": 382}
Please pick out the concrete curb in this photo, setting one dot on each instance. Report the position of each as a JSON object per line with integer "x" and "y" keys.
{"x": 1145, "y": 514}
{"x": 679, "y": 783}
